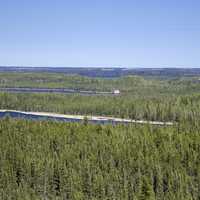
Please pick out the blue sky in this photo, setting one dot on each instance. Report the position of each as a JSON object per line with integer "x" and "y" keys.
{"x": 93, "y": 33}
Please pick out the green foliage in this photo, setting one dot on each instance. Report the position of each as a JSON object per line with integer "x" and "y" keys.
{"x": 150, "y": 99}
{"x": 166, "y": 108}
{"x": 134, "y": 85}
{"x": 50, "y": 160}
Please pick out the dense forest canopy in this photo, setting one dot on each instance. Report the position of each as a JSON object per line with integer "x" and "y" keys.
{"x": 141, "y": 98}
{"x": 163, "y": 108}
{"x": 132, "y": 84}
{"x": 50, "y": 160}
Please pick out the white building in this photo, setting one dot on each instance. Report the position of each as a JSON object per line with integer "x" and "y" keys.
{"x": 116, "y": 92}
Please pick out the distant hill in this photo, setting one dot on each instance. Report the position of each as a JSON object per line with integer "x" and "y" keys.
{"x": 109, "y": 72}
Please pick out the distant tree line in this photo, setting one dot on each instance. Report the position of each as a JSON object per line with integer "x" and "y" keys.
{"x": 162, "y": 108}
{"x": 132, "y": 85}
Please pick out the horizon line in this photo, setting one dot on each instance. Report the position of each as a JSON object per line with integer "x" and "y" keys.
{"x": 99, "y": 67}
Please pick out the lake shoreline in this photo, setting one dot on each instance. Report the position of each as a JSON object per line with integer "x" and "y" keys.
{"x": 75, "y": 118}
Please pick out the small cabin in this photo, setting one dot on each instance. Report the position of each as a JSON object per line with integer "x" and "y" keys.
{"x": 116, "y": 92}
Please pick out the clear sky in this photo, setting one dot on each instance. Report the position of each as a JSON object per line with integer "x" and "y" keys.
{"x": 92, "y": 33}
